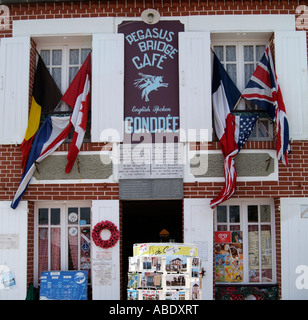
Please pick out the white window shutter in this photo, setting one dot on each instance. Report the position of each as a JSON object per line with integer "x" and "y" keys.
{"x": 198, "y": 229}
{"x": 14, "y": 88}
{"x": 291, "y": 69}
{"x": 103, "y": 210}
{"x": 107, "y": 87}
{"x": 294, "y": 253}
{"x": 195, "y": 86}
{"x": 14, "y": 223}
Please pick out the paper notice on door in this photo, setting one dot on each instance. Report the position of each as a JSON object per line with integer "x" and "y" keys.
{"x": 203, "y": 250}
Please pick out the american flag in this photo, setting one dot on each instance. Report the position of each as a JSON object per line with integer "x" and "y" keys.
{"x": 244, "y": 128}
{"x": 263, "y": 90}
{"x": 232, "y": 130}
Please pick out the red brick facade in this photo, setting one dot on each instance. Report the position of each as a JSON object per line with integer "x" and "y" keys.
{"x": 293, "y": 180}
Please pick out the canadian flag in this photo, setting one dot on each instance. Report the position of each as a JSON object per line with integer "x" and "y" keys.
{"x": 77, "y": 96}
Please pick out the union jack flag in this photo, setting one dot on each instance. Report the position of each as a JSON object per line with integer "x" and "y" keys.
{"x": 263, "y": 90}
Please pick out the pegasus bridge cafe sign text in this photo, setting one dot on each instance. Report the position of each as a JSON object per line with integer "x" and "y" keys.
{"x": 151, "y": 85}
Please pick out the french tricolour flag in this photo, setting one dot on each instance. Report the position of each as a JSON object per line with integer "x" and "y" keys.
{"x": 232, "y": 130}
{"x": 48, "y": 138}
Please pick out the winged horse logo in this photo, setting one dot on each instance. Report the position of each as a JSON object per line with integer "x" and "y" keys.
{"x": 148, "y": 83}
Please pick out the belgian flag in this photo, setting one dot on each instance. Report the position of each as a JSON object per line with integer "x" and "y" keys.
{"x": 45, "y": 97}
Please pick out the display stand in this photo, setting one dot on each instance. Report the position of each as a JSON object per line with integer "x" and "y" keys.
{"x": 164, "y": 271}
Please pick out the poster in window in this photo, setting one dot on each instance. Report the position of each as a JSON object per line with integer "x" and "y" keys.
{"x": 222, "y": 237}
{"x": 229, "y": 257}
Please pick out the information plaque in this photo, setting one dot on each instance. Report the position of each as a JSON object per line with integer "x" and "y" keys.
{"x": 151, "y": 161}
{"x": 145, "y": 189}
{"x": 63, "y": 285}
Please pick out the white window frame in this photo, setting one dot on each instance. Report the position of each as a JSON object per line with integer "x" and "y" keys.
{"x": 65, "y": 57}
{"x": 240, "y": 77}
{"x": 243, "y": 204}
{"x": 64, "y": 235}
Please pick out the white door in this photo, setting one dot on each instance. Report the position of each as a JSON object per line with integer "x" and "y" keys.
{"x": 105, "y": 262}
{"x": 198, "y": 229}
{"x": 13, "y": 249}
{"x": 294, "y": 253}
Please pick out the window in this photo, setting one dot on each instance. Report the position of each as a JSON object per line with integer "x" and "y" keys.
{"x": 63, "y": 63}
{"x": 256, "y": 222}
{"x": 240, "y": 60}
{"x": 62, "y": 237}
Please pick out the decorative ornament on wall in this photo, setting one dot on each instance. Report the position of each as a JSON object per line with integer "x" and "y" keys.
{"x": 114, "y": 237}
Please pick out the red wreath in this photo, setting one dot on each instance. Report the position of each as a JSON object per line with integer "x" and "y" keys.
{"x": 114, "y": 237}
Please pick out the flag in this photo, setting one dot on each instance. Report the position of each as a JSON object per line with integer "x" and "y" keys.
{"x": 263, "y": 89}
{"x": 45, "y": 97}
{"x": 48, "y": 138}
{"x": 232, "y": 130}
{"x": 77, "y": 97}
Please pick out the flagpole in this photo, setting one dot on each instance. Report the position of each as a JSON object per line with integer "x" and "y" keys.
{"x": 238, "y": 101}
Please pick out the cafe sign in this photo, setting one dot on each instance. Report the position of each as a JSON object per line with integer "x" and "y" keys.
{"x": 151, "y": 81}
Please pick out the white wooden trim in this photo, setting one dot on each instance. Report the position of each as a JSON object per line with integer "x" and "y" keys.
{"x": 198, "y": 228}
{"x": 106, "y": 210}
{"x": 15, "y": 222}
{"x": 294, "y": 254}
{"x": 63, "y": 206}
{"x": 87, "y": 26}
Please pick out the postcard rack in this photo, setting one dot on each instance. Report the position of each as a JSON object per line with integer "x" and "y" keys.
{"x": 164, "y": 271}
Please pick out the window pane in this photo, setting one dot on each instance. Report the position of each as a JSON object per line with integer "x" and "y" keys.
{"x": 55, "y": 252}
{"x": 74, "y": 56}
{"x": 235, "y": 227}
{"x": 263, "y": 128}
{"x": 72, "y": 248}
{"x": 72, "y": 215}
{"x": 45, "y": 55}
{"x": 253, "y": 253}
{"x": 57, "y": 76}
{"x": 219, "y": 50}
{"x": 265, "y": 213}
{"x": 259, "y": 52}
{"x": 252, "y": 213}
{"x": 248, "y": 53}
{"x": 56, "y": 57}
{"x": 43, "y": 216}
{"x": 234, "y": 212}
{"x": 72, "y": 73}
{"x": 85, "y": 246}
{"x": 222, "y": 227}
{"x": 231, "y": 70}
{"x": 85, "y": 216}
{"x": 55, "y": 217}
{"x": 266, "y": 254}
{"x": 230, "y": 53}
{"x": 42, "y": 250}
{"x": 248, "y": 69}
{"x": 84, "y": 54}
{"x": 221, "y": 214}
